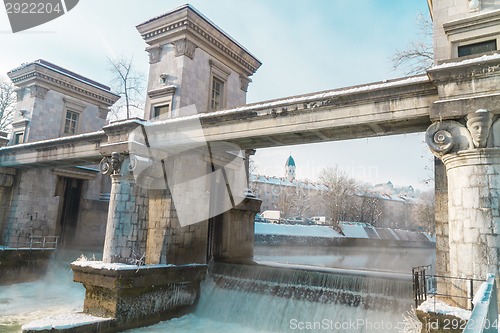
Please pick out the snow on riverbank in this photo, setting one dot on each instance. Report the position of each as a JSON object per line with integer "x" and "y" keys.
{"x": 437, "y": 306}
{"x": 296, "y": 230}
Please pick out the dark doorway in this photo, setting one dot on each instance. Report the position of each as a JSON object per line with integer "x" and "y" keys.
{"x": 70, "y": 190}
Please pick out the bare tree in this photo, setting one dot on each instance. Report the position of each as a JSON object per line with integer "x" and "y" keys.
{"x": 419, "y": 56}
{"x": 253, "y": 186}
{"x": 129, "y": 84}
{"x": 301, "y": 199}
{"x": 339, "y": 199}
{"x": 286, "y": 200}
{"x": 7, "y": 103}
{"x": 370, "y": 207}
{"x": 423, "y": 212}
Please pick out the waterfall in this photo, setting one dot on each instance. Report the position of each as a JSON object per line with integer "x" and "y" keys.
{"x": 270, "y": 299}
{"x": 54, "y": 293}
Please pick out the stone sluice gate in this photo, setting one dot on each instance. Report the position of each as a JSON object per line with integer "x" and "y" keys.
{"x": 355, "y": 290}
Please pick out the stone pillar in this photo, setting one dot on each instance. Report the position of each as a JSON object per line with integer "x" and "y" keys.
{"x": 471, "y": 155}
{"x": 125, "y": 229}
{"x": 442, "y": 228}
{"x": 237, "y": 232}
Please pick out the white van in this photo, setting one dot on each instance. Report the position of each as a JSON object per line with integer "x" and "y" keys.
{"x": 319, "y": 219}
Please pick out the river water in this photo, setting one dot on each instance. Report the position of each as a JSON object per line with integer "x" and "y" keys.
{"x": 223, "y": 310}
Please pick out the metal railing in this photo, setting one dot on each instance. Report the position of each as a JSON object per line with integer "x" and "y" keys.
{"x": 35, "y": 242}
{"x": 458, "y": 288}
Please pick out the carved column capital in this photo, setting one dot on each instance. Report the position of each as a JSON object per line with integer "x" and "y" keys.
{"x": 244, "y": 82}
{"x": 37, "y": 91}
{"x": 116, "y": 164}
{"x": 478, "y": 129}
{"x": 184, "y": 47}
{"x": 20, "y": 92}
{"x": 479, "y": 125}
{"x": 445, "y": 137}
{"x": 154, "y": 54}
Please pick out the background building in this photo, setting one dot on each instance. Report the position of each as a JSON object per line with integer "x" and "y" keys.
{"x": 383, "y": 205}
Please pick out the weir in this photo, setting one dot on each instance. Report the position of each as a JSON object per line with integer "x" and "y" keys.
{"x": 248, "y": 298}
{"x": 174, "y": 209}
{"x": 252, "y": 298}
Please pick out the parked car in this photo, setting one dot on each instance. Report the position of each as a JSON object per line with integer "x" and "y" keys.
{"x": 299, "y": 220}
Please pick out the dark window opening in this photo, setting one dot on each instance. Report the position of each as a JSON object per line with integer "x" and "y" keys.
{"x": 18, "y": 138}
{"x": 476, "y": 48}
{"x": 160, "y": 110}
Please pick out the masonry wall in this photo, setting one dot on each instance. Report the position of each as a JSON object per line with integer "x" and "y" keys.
{"x": 48, "y": 120}
{"x": 126, "y": 224}
{"x": 5, "y": 197}
{"x": 34, "y": 207}
{"x": 91, "y": 226}
{"x": 169, "y": 242}
{"x": 442, "y": 228}
{"x": 445, "y": 11}
{"x": 197, "y": 75}
{"x": 191, "y": 77}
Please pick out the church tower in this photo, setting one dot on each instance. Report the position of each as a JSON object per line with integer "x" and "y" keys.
{"x": 290, "y": 168}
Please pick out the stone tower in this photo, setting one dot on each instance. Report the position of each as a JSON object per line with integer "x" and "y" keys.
{"x": 193, "y": 63}
{"x": 53, "y": 102}
{"x": 290, "y": 168}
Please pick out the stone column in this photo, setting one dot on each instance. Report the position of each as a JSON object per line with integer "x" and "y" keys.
{"x": 471, "y": 155}
{"x": 125, "y": 229}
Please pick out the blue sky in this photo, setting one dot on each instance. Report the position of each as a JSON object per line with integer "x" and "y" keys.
{"x": 305, "y": 46}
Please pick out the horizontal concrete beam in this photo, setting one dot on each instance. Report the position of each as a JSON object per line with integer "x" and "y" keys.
{"x": 383, "y": 108}
{"x": 72, "y": 150}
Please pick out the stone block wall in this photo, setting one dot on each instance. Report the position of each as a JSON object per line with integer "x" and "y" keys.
{"x": 169, "y": 242}
{"x": 48, "y": 120}
{"x": 126, "y": 227}
{"x": 191, "y": 77}
{"x": 445, "y": 11}
{"x": 91, "y": 226}
{"x": 237, "y": 232}
{"x": 34, "y": 206}
{"x": 442, "y": 226}
{"x": 5, "y": 196}
{"x": 187, "y": 244}
{"x": 474, "y": 217}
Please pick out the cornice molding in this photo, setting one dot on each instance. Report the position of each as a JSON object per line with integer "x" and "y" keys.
{"x": 489, "y": 19}
{"x": 41, "y": 77}
{"x": 161, "y": 92}
{"x": 188, "y": 22}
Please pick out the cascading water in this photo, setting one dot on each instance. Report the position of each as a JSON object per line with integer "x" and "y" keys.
{"x": 239, "y": 298}
{"x": 55, "y": 293}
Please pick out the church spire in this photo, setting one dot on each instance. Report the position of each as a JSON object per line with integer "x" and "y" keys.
{"x": 290, "y": 168}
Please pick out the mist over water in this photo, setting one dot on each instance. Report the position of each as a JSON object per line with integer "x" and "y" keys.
{"x": 221, "y": 309}
{"x": 55, "y": 293}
